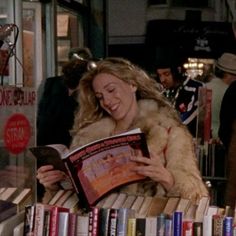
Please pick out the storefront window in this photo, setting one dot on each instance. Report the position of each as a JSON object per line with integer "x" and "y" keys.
{"x": 32, "y": 44}
{"x": 69, "y": 34}
{"x": 8, "y": 40}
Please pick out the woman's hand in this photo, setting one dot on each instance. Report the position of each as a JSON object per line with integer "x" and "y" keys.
{"x": 153, "y": 168}
{"x": 49, "y": 177}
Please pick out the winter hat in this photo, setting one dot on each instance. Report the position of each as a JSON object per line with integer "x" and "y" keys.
{"x": 227, "y": 63}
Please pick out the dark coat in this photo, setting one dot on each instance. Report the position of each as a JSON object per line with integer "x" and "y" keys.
{"x": 55, "y": 115}
{"x": 227, "y": 134}
{"x": 227, "y": 114}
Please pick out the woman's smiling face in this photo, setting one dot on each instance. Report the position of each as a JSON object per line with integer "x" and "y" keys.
{"x": 115, "y": 96}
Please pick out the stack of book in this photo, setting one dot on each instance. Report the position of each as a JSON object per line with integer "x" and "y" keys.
{"x": 12, "y": 208}
{"x": 122, "y": 214}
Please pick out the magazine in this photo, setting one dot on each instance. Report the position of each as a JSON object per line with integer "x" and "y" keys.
{"x": 97, "y": 168}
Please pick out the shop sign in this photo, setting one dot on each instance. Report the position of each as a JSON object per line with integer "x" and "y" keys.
{"x": 17, "y": 127}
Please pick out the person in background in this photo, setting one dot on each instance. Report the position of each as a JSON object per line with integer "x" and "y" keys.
{"x": 117, "y": 96}
{"x": 58, "y": 103}
{"x": 180, "y": 90}
{"x": 227, "y": 135}
{"x": 225, "y": 74}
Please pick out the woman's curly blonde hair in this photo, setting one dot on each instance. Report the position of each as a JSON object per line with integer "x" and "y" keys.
{"x": 89, "y": 107}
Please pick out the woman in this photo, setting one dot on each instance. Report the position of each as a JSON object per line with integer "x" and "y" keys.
{"x": 117, "y": 96}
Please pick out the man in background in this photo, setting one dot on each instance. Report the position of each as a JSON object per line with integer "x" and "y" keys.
{"x": 227, "y": 133}
{"x": 225, "y": 68}
{"x": 180, "y": 90}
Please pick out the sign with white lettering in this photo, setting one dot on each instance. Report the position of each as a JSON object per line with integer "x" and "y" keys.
{"x": 199, "y": 39}
{"x": 17, "y": 127}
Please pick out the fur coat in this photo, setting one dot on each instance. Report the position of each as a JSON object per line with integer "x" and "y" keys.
{"x": 167, "y": 138}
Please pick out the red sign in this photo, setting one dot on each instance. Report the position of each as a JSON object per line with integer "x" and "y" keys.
{"x": 17, "y": 133}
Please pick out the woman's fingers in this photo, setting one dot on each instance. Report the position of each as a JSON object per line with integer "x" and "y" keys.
{"x": 49, "y": 177}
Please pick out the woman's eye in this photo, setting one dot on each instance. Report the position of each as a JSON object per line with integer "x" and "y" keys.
{"x": 111, "y": 90}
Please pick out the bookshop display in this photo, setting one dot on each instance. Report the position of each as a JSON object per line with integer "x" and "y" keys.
{"x": 95, "y": 170}
{"x": 128, "y": 215}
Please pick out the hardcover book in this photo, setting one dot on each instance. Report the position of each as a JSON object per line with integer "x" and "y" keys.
{"x": 82, "y": 225}
{"x": 113, "y": 219}
{"x": 29, "y": 215}
{"x": 131, "y": 231}
{"x": 63, "y": 226}
{"x": 94, "y": 221}
{"x": 177, "y": 223}
{"x": 151, "y": 226}
{"x": 140, "y": 226}
{"x": 54, "y": 219}
{"x": 103, "y": 218}
{"x": 101, "y": 166}
{"x": 72, "y": 223}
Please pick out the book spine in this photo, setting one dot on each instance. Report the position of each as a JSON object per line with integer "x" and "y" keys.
{"x": 217, "y": 225}
{"x": 228, "y": 226}
{"x": 207, "y": 225}
{"x": 46, "y": 226}
{"x": 90, "y": 223}
{"x": 187, "y": 227}
{"x": 72, "y": 224}
{"x": 161, "y": 224}
{"x": 82, "y": 226}
{"x": 140, "y": 226}
{"x": 29, "y": 219}
{"x": 54, "y": 222}
{"x": 151, "y": 226}
{"x": 104, "y": 221}
{"x": 54, "y": 219}
{"x": 63, "y": 223}
{"x": 131, "y": 231}
{"x": 38, "y": 219}
{"x": 112, "y": 222}
{"x": 177, "y": 223}
{"x": 197, "y": 228}
{"x": 94, "y": 221}
{"x": 168, "y": 227}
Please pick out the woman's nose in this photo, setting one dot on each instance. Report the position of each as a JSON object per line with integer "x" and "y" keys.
{"x": 106, "y": 100}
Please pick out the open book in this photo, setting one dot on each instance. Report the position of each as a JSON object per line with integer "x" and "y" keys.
{"x": 98, "y": 167}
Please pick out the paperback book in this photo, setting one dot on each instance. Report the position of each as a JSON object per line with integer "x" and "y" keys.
{"x": 101, "y": 166}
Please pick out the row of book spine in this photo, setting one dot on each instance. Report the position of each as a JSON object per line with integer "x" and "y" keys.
{"x": 54, "y": 220}
{"x": 123, "y": 214}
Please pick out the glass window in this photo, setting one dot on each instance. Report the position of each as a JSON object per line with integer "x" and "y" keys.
{"x": 69, "y": 34}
